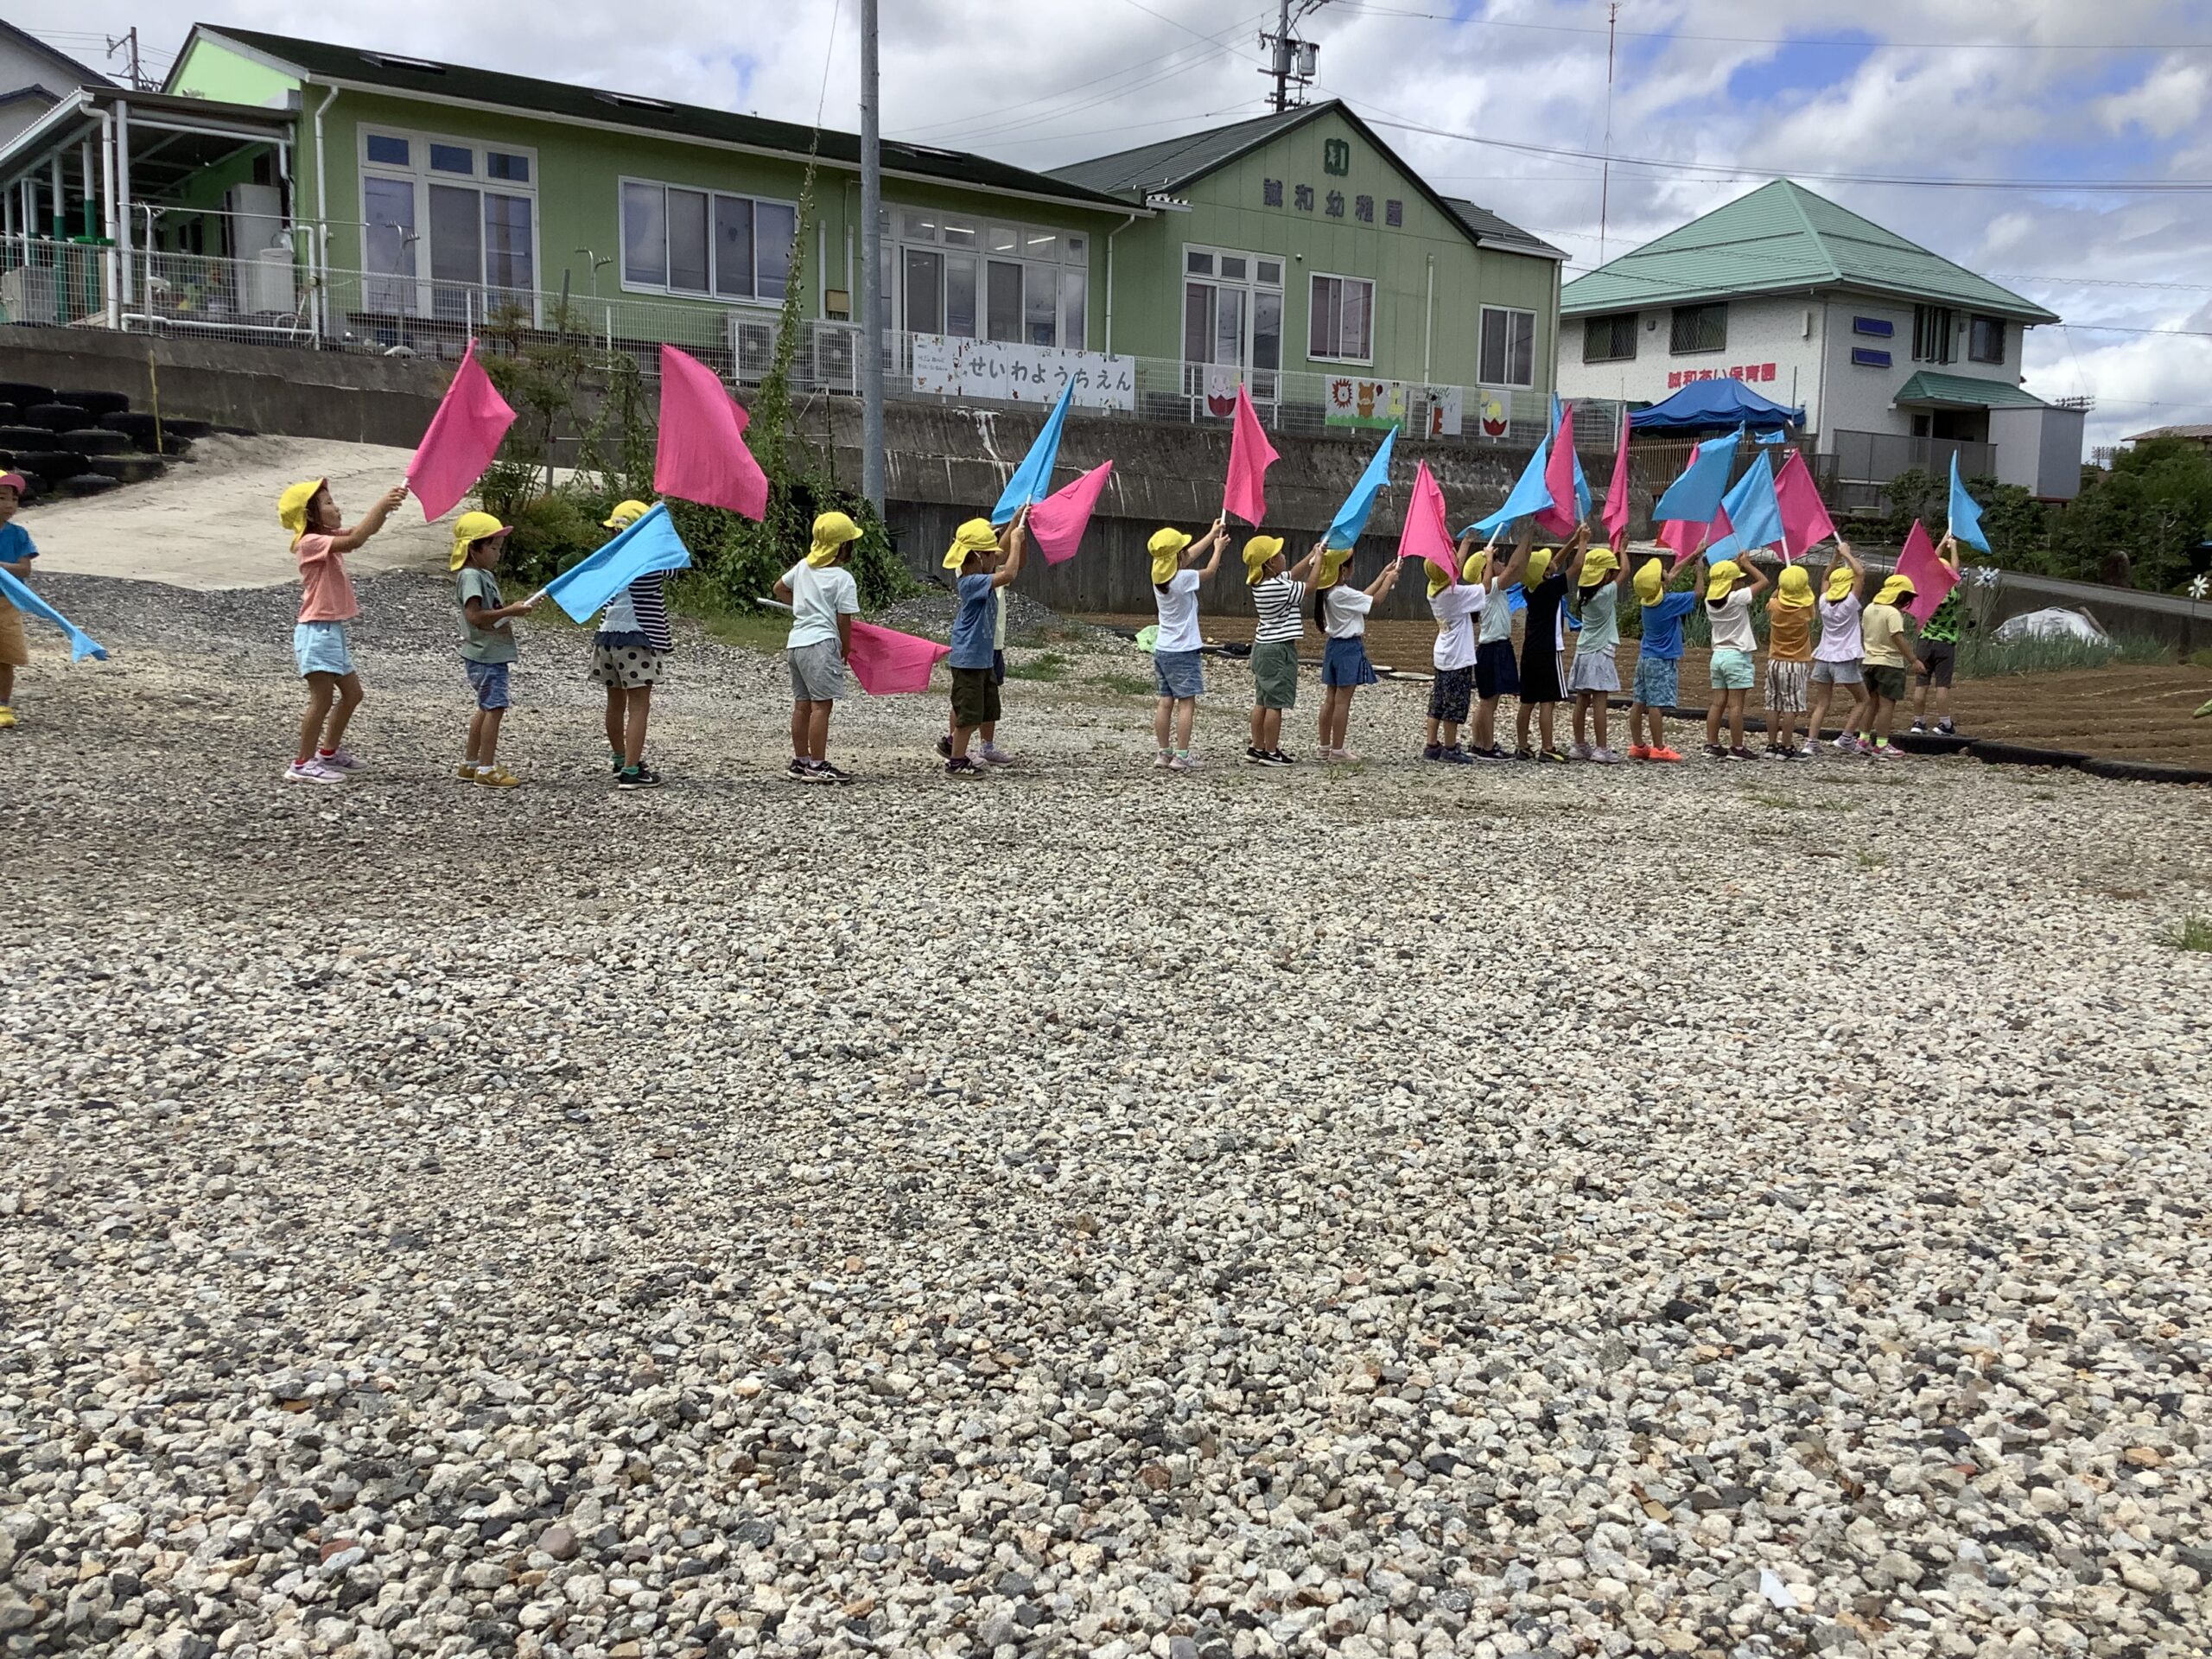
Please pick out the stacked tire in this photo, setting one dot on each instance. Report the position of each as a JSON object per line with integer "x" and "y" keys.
{"x": 79, "y": 443}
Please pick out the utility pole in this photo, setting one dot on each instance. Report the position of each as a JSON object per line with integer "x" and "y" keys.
{"x": 1605, "y": 177}
{"x": 1293, "y": 60}
{"x": 1281, "y": 70}
{"x": 872, "y": 295}
{"x": 129, "y": 43}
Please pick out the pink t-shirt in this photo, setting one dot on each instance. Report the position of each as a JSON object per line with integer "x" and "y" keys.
{"x": 326, "y": 591}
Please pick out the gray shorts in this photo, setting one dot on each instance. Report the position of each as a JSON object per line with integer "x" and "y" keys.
{"x": 817, "y": 672}
{"x": 1836, "y": 674}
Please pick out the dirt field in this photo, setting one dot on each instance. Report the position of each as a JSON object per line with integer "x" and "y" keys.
{"x": 2125, "y": 712}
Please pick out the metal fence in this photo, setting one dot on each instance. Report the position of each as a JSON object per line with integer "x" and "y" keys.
{"x": 1864, "y": 461}
{"x": 271, "y": 300}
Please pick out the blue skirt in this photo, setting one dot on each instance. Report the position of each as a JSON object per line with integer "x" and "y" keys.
{"x": 1345, "y": 663}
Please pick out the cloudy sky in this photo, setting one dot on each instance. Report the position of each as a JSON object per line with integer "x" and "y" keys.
{"x": 1711, "y": 97}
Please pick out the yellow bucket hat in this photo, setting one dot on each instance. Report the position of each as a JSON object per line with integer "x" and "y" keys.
{"x": 1795, "y": 591}
{"x": 1720, "y": 580}
{"x": 1438, "y": 578}
{"x": 1257, "y": 552}
{"x": 1333, "y": 560}
{"x": 1894, "y": 589}
{"x": 625, "y": 514}
{"x": 1165, "y": 547}
{"x": 974, "y": 537}
{"x": 1840, "y": 582}
{"x": 1597, "y": 564}
{"x": 1472, "y": 569}
{"x": 468, "y": 530}
{"x": 831, "y": 531}
{"x": 292, "y": 505}
{"x": 1540, "y": 563}
{"x": 1650, "y": 582}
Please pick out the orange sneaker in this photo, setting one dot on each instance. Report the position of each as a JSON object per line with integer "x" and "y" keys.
{"x": 1665, "y": 754}
{"x": 1639, "y": 752}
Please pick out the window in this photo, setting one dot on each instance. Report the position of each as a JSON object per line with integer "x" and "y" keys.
{"x": 1985, "y": 339}
{"x": 1879, "y": 327}
{"x": 1932, "y": 330}
{"x": 1609, "y": 339}
{"x": 957, "y": 276}
{"x": 1341, "y": 322}
{"x": 1867, "y": 357}
{"x": 433, "y": 236}
{"x": 1699, "y": 329}
{"x": 702, "y": 242}
{"x": 1509, "y": 347}
{"x": 1233, "y": 317}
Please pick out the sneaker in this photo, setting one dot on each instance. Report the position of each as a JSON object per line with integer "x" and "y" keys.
{"x": 1580, "y": 751}
{"x": 1524, "y": 755}
{"x": 7, "y": 717}
{"x": 1774, "y": 752}
{"x": 340, "y": 760}
{"x": 1493, "y": 753}
{"x": 1178, "y": 763}
{"x": 1666, "y": 754}
{"x": 944, "y": 746}
{"x": 467, "y": 772}
{"x": 1283, "y": 759}
{"x": 1889, "y": 752}
{"x": 312, "y": 772}
{"x": 990, "y": 756}
{"x": 1944, "y": 728}
{"x": 1639, "y": 752}
{"x": 496, "y": 778}
{"x": 1715, "y": 752}
{"x": 826, "y": 773}
{"x": 1257, "y": 757}
{"x": 1347, "y": 756}
{"x": 1165, "y": 762}
{"x": 1805, "y": 753}
{"x": 1456, "y": 756}
{"x": 1432, "y": 752}
{"x": 960, "y": 766}
{"x": 1553, "y": 756}
{"x": 617, "y": 761}
{"x": 1921, "y": 727}
{"x": 643, "y": 778}
{"x": 1606, "y": 757}
{"x": 1741, "y": 754}
{"x": 800, "y": 771}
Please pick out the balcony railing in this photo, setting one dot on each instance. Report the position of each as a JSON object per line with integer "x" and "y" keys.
{"x": 1864, "y": 461}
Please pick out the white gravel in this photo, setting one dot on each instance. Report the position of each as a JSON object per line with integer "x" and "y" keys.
{"x": 1380, "y": 1212}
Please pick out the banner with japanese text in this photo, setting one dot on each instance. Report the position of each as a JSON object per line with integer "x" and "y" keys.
{"x": 946, "y": 365}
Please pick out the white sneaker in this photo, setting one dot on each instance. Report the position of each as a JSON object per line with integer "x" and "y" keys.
{"x": 341, "y": 760}
{"x": 312, "y": 772}
{"x": 1178, "y": 763}
{"x": 1580, "y": 752}
{"x": 1605, "y": 757}
{"x": 1164, "y": 763}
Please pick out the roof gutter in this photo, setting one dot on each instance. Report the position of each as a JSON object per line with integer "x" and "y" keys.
{"x": 36, "y": 134}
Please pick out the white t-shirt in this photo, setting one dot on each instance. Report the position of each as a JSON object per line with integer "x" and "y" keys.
{"x": 1731, "y": 623}
{"x": 1839, "y": 641}
{"x": 1178, "y": 612}
{"x": 819, "y": 599}
{"x": 1497, "y": 619}
{"x": 1455, "y": 609}
{"x": 1346, "y": 608}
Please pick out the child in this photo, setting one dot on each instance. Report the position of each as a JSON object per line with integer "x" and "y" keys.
{"x": 628, "y": 653}
{"x": 825, "y": 599}
{"x": 1658, "y": 663}
{"x": 1730, "y": 592}
{"x": 1277, "y": 594}
{"x": 984, "y": 569}
{"x": 487, "y": 643}
{"x": 1939, "y": 648}
{"x": 16, "y": 552}
{"x": 989, "y": 753}
{"x": 1497, "y": 674}
{"x": 1341, "y": 611}
{"x": 1888, "y": 654}
{"x": 1835, "y": 659}
{"x": 1543, "y": 641}
{"x": 319, "y": 543}
{"x": 1789, "y": 662}
{"x": 1596, "y": 676}
{"x": 1176, "y": 674}
{"x": 1454, "y": 603}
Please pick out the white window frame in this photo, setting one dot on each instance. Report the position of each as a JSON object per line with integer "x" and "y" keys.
{"x": 710, "y": 292}
{"x": 422, "y": 176}
{"x": 1253, "y": 286}
{"x": 1368, "y": 283}
{"x": 898, "y": 239}
{"x": 1481, "y": 328}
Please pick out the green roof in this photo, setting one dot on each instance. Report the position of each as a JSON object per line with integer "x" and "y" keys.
{"x": 453, "y": 83}
{"x": 1784, "y": 237}
{"x": 1964, "y": 390}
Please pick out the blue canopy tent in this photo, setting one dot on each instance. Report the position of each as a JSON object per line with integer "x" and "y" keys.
{"x": 1716, "y": 405}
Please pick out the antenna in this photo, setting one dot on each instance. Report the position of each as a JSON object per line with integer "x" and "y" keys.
{"x": 1605, "y": 177}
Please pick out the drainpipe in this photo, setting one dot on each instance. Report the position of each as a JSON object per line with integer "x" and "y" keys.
{"x": 108, "y": 220}
{"x": 320, "y": 260}
{"x": 130, "y": 284}
{"x": 1428, "y": 319}
{"x": 1110, "y": 235}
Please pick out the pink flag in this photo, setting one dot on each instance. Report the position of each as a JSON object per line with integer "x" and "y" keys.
{"x": 1805, "y": 521}
{"x": 1615, "y": 517}
{"x": 1686, "y": 536}
{"x": 886, "y": 661}
{"x": 464, "y": 435}
{"x": 1057, "y": 522}
{"x": 1932, "y": 580}
{"x": 701, "y": 455}
{"x": 1562, "y": 516}
{"x": 1428, "y": 533}
{"x": 1251, "y": 454}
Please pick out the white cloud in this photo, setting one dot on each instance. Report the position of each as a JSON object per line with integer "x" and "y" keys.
{"x": 2169, "y": 100}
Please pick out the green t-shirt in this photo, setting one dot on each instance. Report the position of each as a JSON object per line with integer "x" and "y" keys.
{"x": 492, "y": 644}
{"x": 1943, "y": 626}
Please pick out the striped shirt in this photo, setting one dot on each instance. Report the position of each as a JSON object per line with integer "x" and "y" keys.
{"x": 1277, "y": 600}
{"x": 641, "y": 608}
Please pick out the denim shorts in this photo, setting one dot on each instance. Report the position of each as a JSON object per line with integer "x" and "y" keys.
{"x": 1658, "y": 681}
{"x": 1345, "y": 663}
{"x": 1178, "y": 674}
{"x": 321, "y": 648}
{"x": 1731, "y": 669}
{"x": 490, "y": 681}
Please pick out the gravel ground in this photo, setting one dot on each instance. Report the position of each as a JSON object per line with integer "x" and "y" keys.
{"x": 1380, "y": 1211}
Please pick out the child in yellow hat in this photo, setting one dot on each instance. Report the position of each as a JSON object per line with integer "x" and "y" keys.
{"x": 629, "y": 653}
{"x": 985, "y": 567}
{"x": 1278, "y": 595}
{"x": 1543, "y": 644}
{"x": 1888, "y": 654}
{"x": 1789, "y": 662}
{"x": 487, "y": 642}
{"x": 1596, "y": 674}
{"x": 1342, "y": 611}
{"x": 1658, "y": 663}
{"x": 1835, "y": 658}
{"x": 1456, "y": 598}
{"x": 825, "y": 599}
{"x": 320, "y": 542}
{"x": 1730, "y": 590}
{"x": 1177, "y": 676}
{"x": 1498, "y": 674}
{"x": 16, "y": 552}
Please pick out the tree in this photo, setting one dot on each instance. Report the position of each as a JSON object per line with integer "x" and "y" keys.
{"x": 2154, "y": 505}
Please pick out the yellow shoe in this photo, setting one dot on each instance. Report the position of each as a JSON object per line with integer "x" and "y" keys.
{"x": 466, "y": 772}
{"x": 7, "y": 717}
{"x": 496, "y": 778}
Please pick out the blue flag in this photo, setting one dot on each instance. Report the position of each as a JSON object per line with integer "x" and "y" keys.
{"x": 1531, "y": 494}
{"x": 1694, "y": 498}
{"x": 1351, "y": 517}
{"x": 1966, "y": 511}
{"x": 1033, "y": 479}
{"x": 1753, "y": 512}
{"x": 81, "y": 645}
{"x": 651, "y": 545}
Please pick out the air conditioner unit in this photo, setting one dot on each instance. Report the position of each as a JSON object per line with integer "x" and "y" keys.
{"x": 834, "y": 352}
{"x": 752, "y": 346}
{"x": 27, "y": 294}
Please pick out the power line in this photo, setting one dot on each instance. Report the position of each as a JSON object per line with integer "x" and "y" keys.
{"x": 1159, "y": 75}
{"x": 1785, "y": 39}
